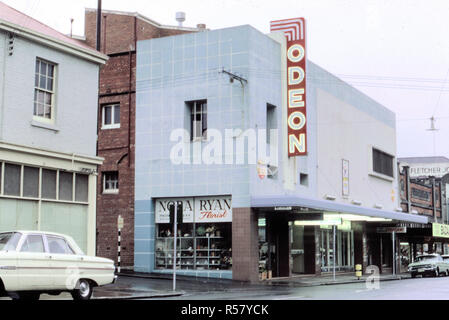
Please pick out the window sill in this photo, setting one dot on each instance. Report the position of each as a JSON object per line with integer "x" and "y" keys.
{"x": 109, "y": 127}
{"x": 110, "y": 191}
{"x": 43, "y": 125}
{"x": 381, "y": 176}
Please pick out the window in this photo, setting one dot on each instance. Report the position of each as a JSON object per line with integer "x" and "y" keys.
{"x": 200, "y": 246}
{"x": 58, "y": 245}
{"x": 198, "y": 119}
{"x": 111, "y": 116}
{"x": 81, "y": 188}
{"x": 65, "y": 186}
{"x": 110, "y": 182}
{"x": 12, "y": 179}
{"x": 48, "y": 184}
{"x": 33, "y": 243}
{"x": 44, "y": 90}
{"x": 24, "y": 181}
{"x": 382, "y": 163}
{"x": 271, "y": 122}
{"x": 30, "y": 182}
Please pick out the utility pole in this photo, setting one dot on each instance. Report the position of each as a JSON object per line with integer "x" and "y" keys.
{"x": 99, "y": 25}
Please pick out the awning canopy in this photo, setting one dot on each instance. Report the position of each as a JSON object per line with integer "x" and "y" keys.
{"x": 271, "y": 201}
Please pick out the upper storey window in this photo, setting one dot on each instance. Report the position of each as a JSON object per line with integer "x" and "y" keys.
{"x": 44, "y": 91}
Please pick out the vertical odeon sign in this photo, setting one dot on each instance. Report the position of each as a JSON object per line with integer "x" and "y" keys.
{"x": 295, "y": 31}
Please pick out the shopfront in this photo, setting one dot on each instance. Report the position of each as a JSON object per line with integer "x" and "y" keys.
{"x": 204, "y": 234}
{"x": 290, "y": 243}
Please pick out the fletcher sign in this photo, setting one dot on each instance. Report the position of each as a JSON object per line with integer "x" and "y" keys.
{"x": 294, "y": 30}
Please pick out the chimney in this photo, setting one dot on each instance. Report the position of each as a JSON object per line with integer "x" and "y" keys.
{"x": 180, "y": 17}
{"x": 201, "y": 26}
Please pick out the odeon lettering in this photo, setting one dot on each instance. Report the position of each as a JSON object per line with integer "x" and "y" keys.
{"x": 294, "y": 30}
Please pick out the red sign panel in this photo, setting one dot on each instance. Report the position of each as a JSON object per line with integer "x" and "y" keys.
{"x": 295, "y": 31}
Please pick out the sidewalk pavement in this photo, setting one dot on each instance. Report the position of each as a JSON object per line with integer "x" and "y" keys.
{"x": 340, "y": 278}
{"x": 126, "y": 291}
{"x": 294, "y": 281}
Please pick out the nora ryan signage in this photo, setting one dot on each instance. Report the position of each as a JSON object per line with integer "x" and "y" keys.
{"x": 295, "y": 32}
{"x": 198, "y": 210}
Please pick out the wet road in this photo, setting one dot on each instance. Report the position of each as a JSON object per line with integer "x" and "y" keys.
{"x": 408, "y": 289}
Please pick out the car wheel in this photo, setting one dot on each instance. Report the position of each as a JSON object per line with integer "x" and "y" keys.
{"x": 26, "y": 296}
{"x": 437, "y": 273}
{"x": 83, "y": 290}
{"x": 413, "y": 275}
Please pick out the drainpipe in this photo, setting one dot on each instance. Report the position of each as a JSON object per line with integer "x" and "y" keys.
{"x": 434, "y": 208}
{"x": 407, "y": 182}
{"x": 99, "y": 25}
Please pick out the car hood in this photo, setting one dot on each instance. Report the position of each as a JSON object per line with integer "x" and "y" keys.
{"x": 421, "y": 263}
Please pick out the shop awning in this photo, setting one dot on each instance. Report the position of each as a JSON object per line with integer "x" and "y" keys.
{"x": 272, "y": 201}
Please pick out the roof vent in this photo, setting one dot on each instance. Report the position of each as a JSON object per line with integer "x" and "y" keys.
{"x": 201, "y": 26}
{"x": 180, "y": 17}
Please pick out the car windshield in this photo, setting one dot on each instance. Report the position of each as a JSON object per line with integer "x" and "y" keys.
{"x": 9, "y": 241}
{"x": 426, "y": 258}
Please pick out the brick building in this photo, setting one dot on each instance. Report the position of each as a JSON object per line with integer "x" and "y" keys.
{"x": 120, "y": 32}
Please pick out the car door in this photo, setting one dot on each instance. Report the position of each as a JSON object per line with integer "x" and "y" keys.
{"x": 33, "y": 264}
{"x": 64, "y": 262}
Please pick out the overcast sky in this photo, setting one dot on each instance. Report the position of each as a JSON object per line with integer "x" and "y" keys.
{"x": 395, "y": 51}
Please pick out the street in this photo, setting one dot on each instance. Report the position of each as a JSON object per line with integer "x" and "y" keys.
{"x": 427, "y": 288}
{"x": 408, "y": 289}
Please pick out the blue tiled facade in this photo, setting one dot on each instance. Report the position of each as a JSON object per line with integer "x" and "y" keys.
{"x": 177, "y": 69}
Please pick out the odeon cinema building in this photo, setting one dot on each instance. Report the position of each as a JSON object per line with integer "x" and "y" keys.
{"x": 282, "y": 168}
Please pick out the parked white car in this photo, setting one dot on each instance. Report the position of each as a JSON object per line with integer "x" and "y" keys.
{"x": 34, "y": 262}
{"x": 432, "y": 264}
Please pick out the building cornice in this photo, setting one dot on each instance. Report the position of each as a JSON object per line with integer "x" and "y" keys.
{"x": 73, "y": 157}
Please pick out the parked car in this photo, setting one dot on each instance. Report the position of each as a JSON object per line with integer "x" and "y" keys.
{"x": 34, "y": 262}
{"x": 429, "y": 264}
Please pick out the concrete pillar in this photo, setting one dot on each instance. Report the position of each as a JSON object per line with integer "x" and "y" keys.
{"x": 245, "y": 245}
{"x": 360, "y": 244}
{"x": 312, "y": 257}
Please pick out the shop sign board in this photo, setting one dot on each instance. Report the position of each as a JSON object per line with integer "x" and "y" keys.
{"x": 162, "y": 214}
{"x": 199, "y": 210}
{"x": 440, "y": 230}
{"x": 213, "y": 209}
{"x": 391, "y": 230}
{"x": 295, "y": 32}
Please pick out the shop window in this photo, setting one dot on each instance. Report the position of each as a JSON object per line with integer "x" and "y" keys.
{"x": 65, "y": 186}
{"x": 81, "y": 188}
{"x": 31, "y": 182}
{"x": 48, "y": 184}
{"x": 200, "y": 246}
{"x": 198, "y": 119}
{"x": 12, "y": 179}
{"x": 382, "y": 163}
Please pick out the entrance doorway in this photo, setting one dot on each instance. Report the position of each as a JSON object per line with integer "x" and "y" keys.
{"x": 344, "y": 252}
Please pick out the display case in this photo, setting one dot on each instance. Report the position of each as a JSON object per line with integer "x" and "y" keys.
{"x": 208, "y": 247}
